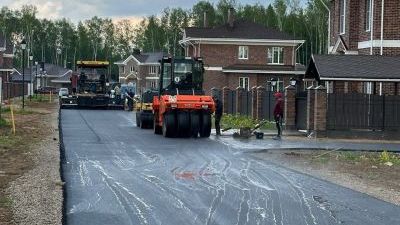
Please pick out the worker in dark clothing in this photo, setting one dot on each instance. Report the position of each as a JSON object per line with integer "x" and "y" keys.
{"x": 278, "y": 114}
{"x": 218, "y": 114}
{"x": 130, "y": 96}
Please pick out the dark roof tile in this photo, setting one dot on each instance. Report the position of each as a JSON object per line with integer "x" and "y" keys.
{"x": 242, "y": 29}
{"x": 354, "y": 67}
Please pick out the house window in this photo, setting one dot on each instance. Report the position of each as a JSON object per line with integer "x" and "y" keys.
{"x": 368, "y": 88}
{"x": 275, "y": 55}
{"x": 329, "y": 87}
{"x": 132, "y": 69}
{"x": 243, "y": 52}
{"x": 368, "y": 15}
{"x": 244, "y": 83}
{"x": 153, "y": 84}
{"x": 342, "y": 22}
{"x": 153, "y": 70}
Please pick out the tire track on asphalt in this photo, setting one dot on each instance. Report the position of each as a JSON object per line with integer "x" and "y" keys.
{"x": 117, "y": 189}
{"x": 99, "y": 140}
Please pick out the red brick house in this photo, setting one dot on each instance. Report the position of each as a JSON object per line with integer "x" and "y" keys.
{"x": 6, "y": 64}
{"x": 243, "y": 54}
{"x": 361, "y": 27}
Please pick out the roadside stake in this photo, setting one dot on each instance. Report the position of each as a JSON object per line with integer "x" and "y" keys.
{"x": 12, "y": 119}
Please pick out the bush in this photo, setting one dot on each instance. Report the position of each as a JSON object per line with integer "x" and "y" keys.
{"x": 240, "y": 121}
{"x": 4, "y": 123}
{"x": 386, "y": 156}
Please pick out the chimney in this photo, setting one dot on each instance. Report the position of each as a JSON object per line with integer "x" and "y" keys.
{"x": 205, "y": 19}
{"x": 231, "y": 17}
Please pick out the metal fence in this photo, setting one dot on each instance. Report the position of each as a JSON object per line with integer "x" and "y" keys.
{"x": 12, "y": 90}
{"x": 245, "y": 103}
{"x": 267, "y": 106}
{"x": 363, "y": 111}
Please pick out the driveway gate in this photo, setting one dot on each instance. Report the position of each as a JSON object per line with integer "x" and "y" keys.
{"x": 301, "y": 110}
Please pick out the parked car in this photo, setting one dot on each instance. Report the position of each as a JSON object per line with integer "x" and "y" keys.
{"x": 46, "y": 90}
{"x": 63, "y": 92}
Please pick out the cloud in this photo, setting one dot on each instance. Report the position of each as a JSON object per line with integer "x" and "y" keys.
{"x": 77, "y": 10}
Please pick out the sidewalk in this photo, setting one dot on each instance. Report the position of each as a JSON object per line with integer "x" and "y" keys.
{"x": 299, "y": 142}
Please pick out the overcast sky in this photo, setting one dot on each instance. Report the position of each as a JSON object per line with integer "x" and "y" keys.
{"x": 83, "y": 9}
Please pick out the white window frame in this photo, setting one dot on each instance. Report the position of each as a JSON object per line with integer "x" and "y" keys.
{"x": 368, "y": 15}
{"x": 242, "y": 83}
{"x": 153, "y": 84}
{"x": 271, "y": 55}
{"x": 368, "y": 88}
{"x": 153, "y": 70}
{"x": 132, "y": 69}
{"x": 243, "y": 52}
{"x": 342, "y": 16}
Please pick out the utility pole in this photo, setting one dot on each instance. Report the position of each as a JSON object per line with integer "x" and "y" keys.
{"x": 23, "y": 46}
{"x": 329, "y": 23}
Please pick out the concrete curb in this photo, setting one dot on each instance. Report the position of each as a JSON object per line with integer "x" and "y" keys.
{"x": 62, "y": 163}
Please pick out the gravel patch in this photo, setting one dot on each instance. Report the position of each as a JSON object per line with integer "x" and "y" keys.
{"x": 37, "y": 195}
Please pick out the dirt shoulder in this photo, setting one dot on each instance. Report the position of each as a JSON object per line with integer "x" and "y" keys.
{"x": 30, "y": 183}
{"x": 376, "y": 174}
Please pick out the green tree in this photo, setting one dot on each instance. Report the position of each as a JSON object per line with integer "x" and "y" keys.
{"x": 198, "y": 11}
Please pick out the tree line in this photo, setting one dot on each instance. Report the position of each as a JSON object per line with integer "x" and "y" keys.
{"x": 61, "y": 41}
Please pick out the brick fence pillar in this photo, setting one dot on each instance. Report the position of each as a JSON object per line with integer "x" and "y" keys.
{"x": 320, "y": 110}
{"x": 310, "y": 108}
{"x": 225, "y": 100}
{"x": 239, "y": 99}
{"x": 254, "y": 102}
{"x": 260, "y": 99}
{"x": 290, "y": 108}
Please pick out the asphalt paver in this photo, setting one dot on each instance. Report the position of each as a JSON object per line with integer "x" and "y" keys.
{"x": 117, "y": 173}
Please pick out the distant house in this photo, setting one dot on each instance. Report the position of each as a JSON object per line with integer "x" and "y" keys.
{"x": 365, "y": 28}
{"x": 243, "y": 54}
{"x": 6, "y": 63}
{"x": 141, "y": 70}
{"x": 44, "y": 75}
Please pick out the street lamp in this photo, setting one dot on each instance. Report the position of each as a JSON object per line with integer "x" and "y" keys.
{"x": 293, "y": 81}
{"x": 30, "y": 81}
{"x": 273, "y": 83}
{"x": 23, "y": 46}
{"x": 36, "y": 75}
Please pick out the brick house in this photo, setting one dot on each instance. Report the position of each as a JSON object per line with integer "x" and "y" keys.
{"x": 361, "y": 27}
{"x": 141, "y": 70}
{"x": 6, "y": 64}
{"x": 243, "y": 54}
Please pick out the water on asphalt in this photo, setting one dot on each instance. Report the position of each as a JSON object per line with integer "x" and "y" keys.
{"x": 116, "y": 173}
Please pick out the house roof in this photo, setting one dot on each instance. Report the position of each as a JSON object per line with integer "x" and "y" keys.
{"x": 252, "y": 68}
{"x": 17, "y": 77}
{"x": 55, "y": 70}
{"x": 242, "y": 29}
{"x": 354, "y": 67}
{"x": 64, "y": 78}
{"x": 143, "y": 58}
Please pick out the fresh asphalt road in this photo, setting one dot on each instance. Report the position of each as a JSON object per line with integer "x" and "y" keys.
{"x": 116, "y": 173}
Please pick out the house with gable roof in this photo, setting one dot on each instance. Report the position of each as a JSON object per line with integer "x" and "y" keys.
{"x": 244, "y": 54}
{"x": 140, "y": 70}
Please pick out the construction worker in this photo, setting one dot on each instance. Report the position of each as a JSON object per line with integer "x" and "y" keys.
{"x": 218, "y": 114}
{"x": 278, "y": 114}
